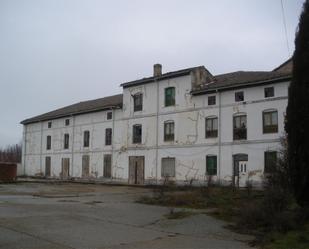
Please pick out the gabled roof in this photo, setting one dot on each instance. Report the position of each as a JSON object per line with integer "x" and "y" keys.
{"x": 246, "y": 78}
{"x": 164, "y": 76}
{"x": 79, "y": 108}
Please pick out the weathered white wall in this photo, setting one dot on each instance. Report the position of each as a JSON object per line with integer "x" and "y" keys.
{"x": 190, "y": 146}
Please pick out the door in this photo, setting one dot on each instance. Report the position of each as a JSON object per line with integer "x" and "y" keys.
{"x": 65, "y": 167}
{"x": 136, "y": 170}
{"x": 240, "y": 175}
{"x": 47, "y": 166}
{"x": 85, "y": 166}
{"x": 107, "y": 172}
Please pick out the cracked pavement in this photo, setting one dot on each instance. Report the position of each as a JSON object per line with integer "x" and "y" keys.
{"x": 85, "y": 216}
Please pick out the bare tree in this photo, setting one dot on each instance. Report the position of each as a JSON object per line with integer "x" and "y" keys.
{"x": 12, "y": 153}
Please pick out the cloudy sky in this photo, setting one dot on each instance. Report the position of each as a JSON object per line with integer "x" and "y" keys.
{"x": 57, "y": 52}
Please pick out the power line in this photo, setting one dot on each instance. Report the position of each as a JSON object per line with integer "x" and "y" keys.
{"x": 285, "y": 28}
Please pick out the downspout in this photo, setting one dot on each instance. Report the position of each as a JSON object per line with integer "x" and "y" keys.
{"x": 24, "y": 150}
{"x": 157, "y": 131}
{"x": 73, "y": 132}
{"x": 41, "y": 147}
{"x": 219, "y": 145}
{"x": 113, "y": 132}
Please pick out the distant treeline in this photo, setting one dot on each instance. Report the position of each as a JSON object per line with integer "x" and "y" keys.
{"x": 11, "y": 153}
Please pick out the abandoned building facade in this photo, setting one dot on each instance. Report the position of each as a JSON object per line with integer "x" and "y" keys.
{"x": 189, "y": 126}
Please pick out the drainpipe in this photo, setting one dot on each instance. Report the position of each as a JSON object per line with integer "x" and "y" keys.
{"x": 24, "y": 150}
{"x": 41, "y": 147}
{"x": 72, "y": 150}
{"x": 219, "y": 145}
{"x": 113, "y": 132}
{"x": 157, "y": 131}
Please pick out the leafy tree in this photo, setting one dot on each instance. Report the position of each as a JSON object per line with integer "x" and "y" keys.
{"x": 297, "y": 126}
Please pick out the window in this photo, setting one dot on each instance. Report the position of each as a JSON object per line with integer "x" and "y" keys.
{"x": 47, "y": 166}
{"x": 66, "y": 141}
{"x": 137, "y": 134}
{"x": 86, "y": 138}
{"x": 169, "y": 131}
{"x": 170, "y": 96}
{"x": 109, "y": 115}
{"x": 168, "y": 167}
{"x": 107, "y": 166}
{"x": 67, "y": 122}
{"x": 211, "y": 127}
{"x": 211, "y": 100}
{"x": 270, "y": 161}
{"x": 138, "y": 102}
{"x": 49, "y": 124}
{"x": 240, "y": 127}
{"x": 239, "y": 96}
{"x": 108, "y": 136}
{"x": 48, "y": 142}
{"x": 269, "y": 92}
{"x": 211, "y": 165}
{"x": 270, "y": 121}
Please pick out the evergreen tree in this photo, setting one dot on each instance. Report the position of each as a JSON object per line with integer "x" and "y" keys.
{"x": 297, "y": 126}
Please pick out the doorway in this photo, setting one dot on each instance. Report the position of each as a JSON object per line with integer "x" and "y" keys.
{"x": 85, "y": 166}
{"x": 240, "y": 170}
{"x": 136, "y": 169}
{"x": 65, "y": 168}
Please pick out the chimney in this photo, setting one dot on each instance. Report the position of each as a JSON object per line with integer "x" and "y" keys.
{"x": 157, "y": 70}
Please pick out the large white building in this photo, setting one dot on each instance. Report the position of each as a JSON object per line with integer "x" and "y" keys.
{"x": 187, "y": 125}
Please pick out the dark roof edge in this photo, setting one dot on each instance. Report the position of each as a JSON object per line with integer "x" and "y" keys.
{"x": 30, "y": 121}
{"x": 168, "y": 75}
{"x": 238, "y": 86}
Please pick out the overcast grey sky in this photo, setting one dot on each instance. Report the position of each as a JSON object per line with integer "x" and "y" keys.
{"x": 57, "y": 52}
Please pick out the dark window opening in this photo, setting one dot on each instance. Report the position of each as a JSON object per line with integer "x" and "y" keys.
{"x": 107, "y": 166}
{"x": 211, "y": 100}
{"x": 240, "y": 127}
{"x": 270, "y": 161}
{"x": 239, "y": 96}
{"x": 86, "y": 138}
{"x": 211, "y": 127}
{"x": 137, "y": 134}
{"x": 109, "y": 115}
{"x": 169, "y": 131}
{"x": 269, "y": 92}
{"x": 270, "y": 122}
{"x": 138, "y": 102}
{"x": 67, "y": 122}
{"x": 66, "y": 141}
{"x": 48, "y": 142}
{"x": 108, "y": 136}
{"x": 49, "y": 124}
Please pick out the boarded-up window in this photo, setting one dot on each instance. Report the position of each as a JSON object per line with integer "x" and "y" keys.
{"x": 137, "y": 134}
{"x": 108, "y": 136}
{"x": 211, "y": 127}
{"x": 168, "y": 167}
{"x": 211, "y": 165}
{"x": 169, "y": 127}
{"x": 270, "y": 161}
{"x": 47, "y": 166}
{"x": 48, "y": 142}
{"x": 65, "y": 167}
{"x": 86, "y": 138}
{"x": 107, "y": 166}
{"x": 240, "y": 127}
{"x": 138, "y": 102}
{"x": 169, "y": 96}
{"x": 66, "y": 141}
{"x": 270, "y": 121}
{"x": 85, "y": 165}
